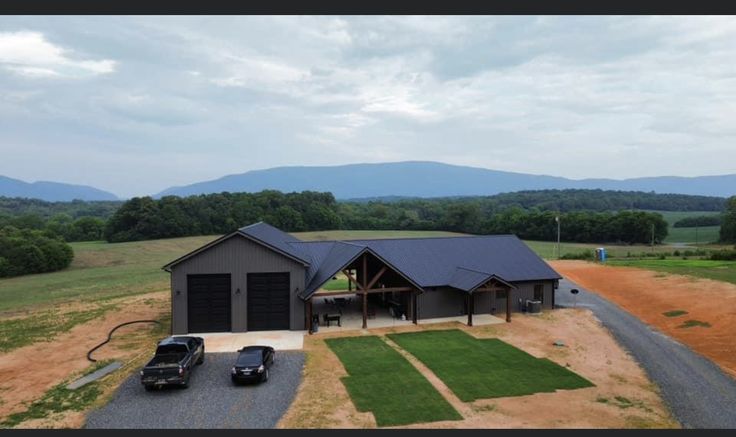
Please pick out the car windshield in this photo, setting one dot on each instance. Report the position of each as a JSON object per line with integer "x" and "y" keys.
{"x": 249, "y": 358}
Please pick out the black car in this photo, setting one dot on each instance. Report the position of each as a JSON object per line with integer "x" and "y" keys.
{"x": 173, "y": 362}
{"x": 252, "y": 364}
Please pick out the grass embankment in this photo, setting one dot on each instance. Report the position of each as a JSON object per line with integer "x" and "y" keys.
{"x": 385, "y": 383}
{"x": 485, "y": 368}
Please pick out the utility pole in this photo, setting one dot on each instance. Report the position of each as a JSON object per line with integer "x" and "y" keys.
{"x": 557, "y": 219}
{"x": 696, "y": 234}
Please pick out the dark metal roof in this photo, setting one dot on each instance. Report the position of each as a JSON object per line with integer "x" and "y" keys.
{"x": 460, "y": 262}
{"x": 432, "y": 262}
{"x": 276, "y": 238}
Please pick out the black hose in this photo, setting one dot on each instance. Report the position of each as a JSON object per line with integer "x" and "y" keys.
{"x": 109, "y": 336}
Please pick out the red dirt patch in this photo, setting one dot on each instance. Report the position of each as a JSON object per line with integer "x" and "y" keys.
{"x": 648, "y": 294}
{"x": 24, "y": 377}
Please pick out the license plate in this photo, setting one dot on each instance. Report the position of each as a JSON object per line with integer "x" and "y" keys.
{"x": 246, "y": 372}
{"x": 161, "y": 381}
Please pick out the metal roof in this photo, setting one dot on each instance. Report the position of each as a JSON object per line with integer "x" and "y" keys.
{"x": 461, "y": 262}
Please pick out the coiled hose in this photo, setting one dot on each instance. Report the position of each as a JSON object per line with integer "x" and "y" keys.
{"x": 109, "y": 336}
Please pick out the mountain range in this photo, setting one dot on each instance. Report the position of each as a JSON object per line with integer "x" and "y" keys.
{"x": 392, "y": 179}
{"x": 51, "y": 191}
{"x": 434, "y": 179}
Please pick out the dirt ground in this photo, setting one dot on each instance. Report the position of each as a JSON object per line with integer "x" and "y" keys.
{"x": 648, "y": 294}
{"x": 25, "y": 377}
{"x": 623, "y": 397}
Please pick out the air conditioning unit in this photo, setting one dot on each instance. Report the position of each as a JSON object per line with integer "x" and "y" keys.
{"x": 534, "y": 306}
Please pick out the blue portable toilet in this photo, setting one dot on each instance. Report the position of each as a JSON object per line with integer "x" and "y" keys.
{"x": 601, "y": 252}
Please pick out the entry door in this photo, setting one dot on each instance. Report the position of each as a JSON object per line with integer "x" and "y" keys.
{"x": 269, "y": 300}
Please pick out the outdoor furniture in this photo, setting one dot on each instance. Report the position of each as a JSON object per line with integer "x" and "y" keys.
{"x": 332, "y": 318}
{"x": 315, "y": 318}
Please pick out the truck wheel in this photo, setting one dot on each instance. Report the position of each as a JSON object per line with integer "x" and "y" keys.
{"x": 201, "y": 358}
{"x": 149, "y": 387}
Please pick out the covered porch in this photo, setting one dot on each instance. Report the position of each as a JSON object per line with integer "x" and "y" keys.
{"x": 380, "y": 295}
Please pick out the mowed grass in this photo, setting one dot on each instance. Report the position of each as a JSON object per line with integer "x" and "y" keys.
{"x": 703, "y": 268}
{"x": 383, "y": 382}
{"x": 485, "y": 368}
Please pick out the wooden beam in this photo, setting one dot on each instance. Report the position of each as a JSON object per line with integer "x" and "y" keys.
{"x": 414, "y": 307}
{"x": 351, "y": 278}
{"x": 376, "y": 278}
{"x": 470, "y": 309}
{"x": 309, "y": 315}
{"x": 358, "y": 292}
{"x": 508, "y": 305}
{"x": 365, "y": 288}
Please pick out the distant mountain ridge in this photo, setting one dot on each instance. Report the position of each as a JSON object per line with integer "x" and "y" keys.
{"x": 51, "y": 191}
{"x": 434, "y": 179}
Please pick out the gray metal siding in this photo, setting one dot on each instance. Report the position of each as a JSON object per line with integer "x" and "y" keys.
{"x": 237, "y": 256}
{"x": 442, "y": 302}
{"x": 450, "y": 302}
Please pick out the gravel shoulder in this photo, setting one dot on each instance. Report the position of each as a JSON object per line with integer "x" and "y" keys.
{"x": 697, "y": 391}
{"x": 211, "y": 401}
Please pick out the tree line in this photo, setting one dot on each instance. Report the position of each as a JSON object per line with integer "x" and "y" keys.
{"x": 146, "y": 218}
{"x": 701, "y": 220}
{"x": 143, "y": 218}
{"x": 728, "y": 224}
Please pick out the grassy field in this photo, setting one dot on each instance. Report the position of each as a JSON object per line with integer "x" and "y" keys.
{"x": 99, "y": 271}
{"x": 700, "y": 235}
{"x": 707, "y": 234}
{"x": 359, "y": 235}
{"x": 485, "y": 368}
{"x": 718, "y": 270}
{"x": 385, "y": 383}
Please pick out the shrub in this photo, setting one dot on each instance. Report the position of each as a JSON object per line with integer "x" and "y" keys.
{"x": 723, "y": 255}
{"x": 24, "y": 251}
{"x": 587, "y": 254}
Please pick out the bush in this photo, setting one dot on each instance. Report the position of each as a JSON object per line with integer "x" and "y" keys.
{"x": 723, "y": 255}
{"x": 25, "y": 251}
{"x": 587, "y": 254}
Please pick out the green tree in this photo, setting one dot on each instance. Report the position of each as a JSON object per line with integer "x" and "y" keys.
{"x": 728, "y": 226}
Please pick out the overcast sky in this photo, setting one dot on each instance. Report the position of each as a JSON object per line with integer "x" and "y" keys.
{"x": 134, "y": 105}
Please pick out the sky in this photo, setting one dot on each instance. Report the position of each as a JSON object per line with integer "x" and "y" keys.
{"x": 134, "y": 105}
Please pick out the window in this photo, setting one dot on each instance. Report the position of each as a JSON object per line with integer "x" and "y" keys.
{"x": 539, "y": 292}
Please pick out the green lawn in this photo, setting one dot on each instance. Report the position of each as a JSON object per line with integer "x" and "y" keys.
{"x": 718, "y": 270}
{"x": 385, "y": 383}
{"x": 485, "y": 368}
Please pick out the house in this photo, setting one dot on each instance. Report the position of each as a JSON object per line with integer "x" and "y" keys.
{"x": 261, "y": 278}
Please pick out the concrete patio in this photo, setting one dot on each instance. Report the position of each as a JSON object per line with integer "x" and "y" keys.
{"x": 232, "y": 341}
{"x": 352, "y": 317}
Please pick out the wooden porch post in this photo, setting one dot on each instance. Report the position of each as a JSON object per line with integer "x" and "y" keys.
{"x": 309, "y": 315}
{"x": 365, "y": 291}
{"x": 414, "y": 307}
{"x": 508, "y": 304}
{"x": 470, "y": 309}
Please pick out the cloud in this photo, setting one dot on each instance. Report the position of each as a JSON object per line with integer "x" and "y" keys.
{"x": 30, "y": 54}
{"x": 570, "y": 96}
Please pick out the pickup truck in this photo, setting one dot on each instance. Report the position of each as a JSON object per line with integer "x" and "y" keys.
{"x": 173, "y": 362}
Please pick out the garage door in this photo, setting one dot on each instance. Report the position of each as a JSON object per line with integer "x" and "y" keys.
{"x": 208, "y": 303}
{"x": 268, "y": 301}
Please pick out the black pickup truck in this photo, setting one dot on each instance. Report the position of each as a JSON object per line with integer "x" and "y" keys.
{"x": 173, "y": 363}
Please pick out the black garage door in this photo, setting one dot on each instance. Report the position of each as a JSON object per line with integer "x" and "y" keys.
{"x": 208, "y": 303}
{"x": 268, "y": 301}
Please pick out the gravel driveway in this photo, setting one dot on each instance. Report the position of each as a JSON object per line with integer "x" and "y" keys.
{"x": 211, "y": 401}
{"x": 698, "y": 392}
